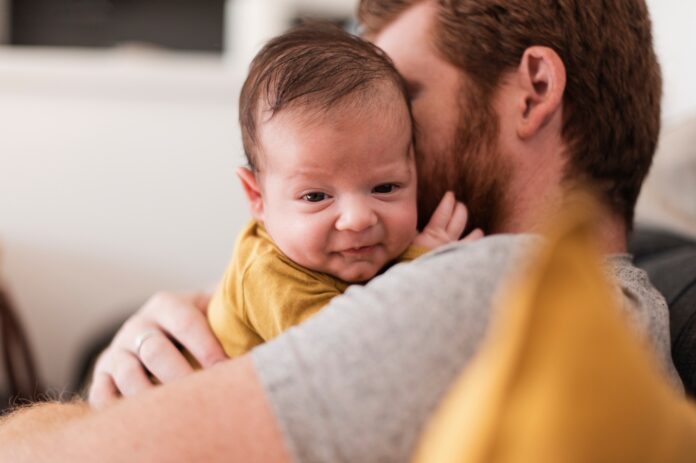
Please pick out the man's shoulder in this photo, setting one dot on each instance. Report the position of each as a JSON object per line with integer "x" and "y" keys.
{"x": 489, "y": 255}
{"x": 492, "y": 253}
{"x": 489, "y": 245}
{"x": 636, "y": 291}
{"x": 645, "y": 308}
{"x": 461, "y": 277}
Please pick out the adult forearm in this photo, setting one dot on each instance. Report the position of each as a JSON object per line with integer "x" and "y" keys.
{"x": 25, "y": 423}
{"x": 220, "y": 414}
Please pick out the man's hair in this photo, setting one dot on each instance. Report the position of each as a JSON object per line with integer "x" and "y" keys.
{"x": 315, "y": 67}
{"x": 611, "y": 112}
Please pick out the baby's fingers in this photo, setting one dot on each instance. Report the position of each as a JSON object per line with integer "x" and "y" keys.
{"x": 457, "y": 222}
{"x": 443, "y": 213}
{"x": 474, "y": 235}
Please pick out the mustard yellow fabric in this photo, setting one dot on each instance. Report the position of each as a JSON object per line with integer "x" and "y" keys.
{"x": 263, "y": 293}
{"x": 561, "y": 377}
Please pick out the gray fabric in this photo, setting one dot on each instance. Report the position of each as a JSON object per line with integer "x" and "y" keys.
{"x": 358, "y": 381}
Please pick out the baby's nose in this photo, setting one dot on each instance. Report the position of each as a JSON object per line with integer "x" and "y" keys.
{"x": 355, "y": 216}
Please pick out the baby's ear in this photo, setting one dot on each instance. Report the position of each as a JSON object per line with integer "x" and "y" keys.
{"x": 252, "y": 191}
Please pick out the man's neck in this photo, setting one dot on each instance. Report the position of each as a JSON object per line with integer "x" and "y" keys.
{"x": 613, "y": 235}
{"x": 530, "y": 217}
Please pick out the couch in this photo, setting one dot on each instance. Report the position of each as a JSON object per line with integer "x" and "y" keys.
{"x": 670, "y": 261}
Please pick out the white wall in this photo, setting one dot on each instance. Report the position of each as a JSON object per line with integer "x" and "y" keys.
{"x": 250, "y": 23}
{"x": 116, "y": 180}
{"x": 674, "y": 31}
{"x": 117, "y": 176}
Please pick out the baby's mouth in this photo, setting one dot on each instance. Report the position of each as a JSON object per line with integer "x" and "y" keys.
{"x": 359, "y": 251}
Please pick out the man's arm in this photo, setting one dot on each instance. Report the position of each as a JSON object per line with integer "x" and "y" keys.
{"x": 354, "y": 383}
{"x": 220, "y": 414}
{"x": 359, "y": 380}
{"x": 38, "y": 418}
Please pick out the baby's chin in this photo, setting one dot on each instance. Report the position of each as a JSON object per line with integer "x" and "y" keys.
{"x": 356, "y": 279}
{"x": 358, "y": 273}
{"x": 363, "y": 271}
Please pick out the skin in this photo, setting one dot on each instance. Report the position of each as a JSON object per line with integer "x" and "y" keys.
{"x": 338, "y": 193}
{"x": 231, "y": 421}
{"x": 433, "y": 85}
{"x": 528, "y": 106}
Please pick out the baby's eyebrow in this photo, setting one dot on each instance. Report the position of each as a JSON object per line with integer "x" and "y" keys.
{"x": 302, "y": 175}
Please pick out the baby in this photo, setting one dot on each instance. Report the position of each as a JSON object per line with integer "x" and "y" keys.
{"x": 331, "y": 183}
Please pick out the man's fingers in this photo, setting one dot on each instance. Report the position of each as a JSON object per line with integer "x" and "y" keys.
{"x": 457, "y": 223}
{"x": 102, "y": 391}
{"x": 201, "y": 301}
{"x": 128, "y": 374}
{"x": 148, "y": 342}
{"x": 161, "y": 357}
{"x": 443, "y": 213}
{"x": 189, "y": 327}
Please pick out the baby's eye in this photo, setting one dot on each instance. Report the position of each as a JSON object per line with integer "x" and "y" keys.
{"x": 385, "y": 188}
{"x": 314, "y": 197}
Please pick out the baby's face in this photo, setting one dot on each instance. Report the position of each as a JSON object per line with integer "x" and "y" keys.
{"x": 339, "y": 193}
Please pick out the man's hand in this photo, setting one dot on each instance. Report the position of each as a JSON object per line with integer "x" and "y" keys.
{"x": 446, "y": 224}
{"x": 146, "y": 343}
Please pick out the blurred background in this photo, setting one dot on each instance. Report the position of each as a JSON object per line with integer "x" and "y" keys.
{"x": 120, "y": 140}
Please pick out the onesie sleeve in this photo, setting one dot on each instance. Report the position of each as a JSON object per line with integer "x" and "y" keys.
{"x": 412, "y": 253}
{"x": 278, "y": 295}
{"x": 228, "y": 324}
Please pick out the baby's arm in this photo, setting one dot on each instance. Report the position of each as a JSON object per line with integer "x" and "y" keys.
{"x": 274, "y": 295}
{"x": 446, "y": 225}
{"x": 282, "y": 296}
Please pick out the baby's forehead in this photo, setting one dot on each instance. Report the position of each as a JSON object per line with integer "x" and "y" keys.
{"x": 349, "y": 139}
{"x": 348, "y": 118}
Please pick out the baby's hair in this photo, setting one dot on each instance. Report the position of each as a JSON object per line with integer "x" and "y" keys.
{"x": 314, "y": 66}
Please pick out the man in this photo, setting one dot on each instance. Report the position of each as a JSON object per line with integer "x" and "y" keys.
{"x": 516, "y": 102}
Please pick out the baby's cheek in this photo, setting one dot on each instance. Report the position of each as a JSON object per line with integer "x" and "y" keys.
{"x": 301, "y": 242}
{"x": 404, "y": 232}
{"x": 409, "y": 223}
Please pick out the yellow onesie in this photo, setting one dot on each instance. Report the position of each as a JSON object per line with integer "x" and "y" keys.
{"x": 263, "y": 292}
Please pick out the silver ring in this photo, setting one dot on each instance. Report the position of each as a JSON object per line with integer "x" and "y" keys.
{"x": 140, "y": 340}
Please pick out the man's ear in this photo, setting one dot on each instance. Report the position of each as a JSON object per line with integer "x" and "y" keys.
{"x": 252, "y": 191}
{"x": 542, "y": 79}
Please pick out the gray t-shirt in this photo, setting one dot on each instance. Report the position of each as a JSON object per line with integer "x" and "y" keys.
{"x": 358, "y": 381}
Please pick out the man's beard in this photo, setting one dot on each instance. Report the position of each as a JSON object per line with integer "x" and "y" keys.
{"x": 472, "y": 167}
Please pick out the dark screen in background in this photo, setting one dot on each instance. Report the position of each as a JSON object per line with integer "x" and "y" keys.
{"x": 195, "y": 25}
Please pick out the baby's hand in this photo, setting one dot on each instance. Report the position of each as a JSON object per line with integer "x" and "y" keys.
{"x": 446, "y": 224}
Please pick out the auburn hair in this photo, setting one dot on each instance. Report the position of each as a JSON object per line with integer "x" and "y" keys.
{"x": 315, "y": 66}
{"x": 611, "y": 106}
